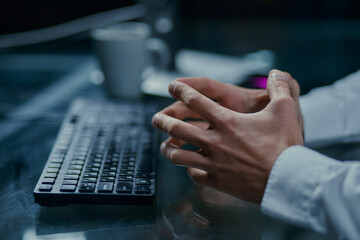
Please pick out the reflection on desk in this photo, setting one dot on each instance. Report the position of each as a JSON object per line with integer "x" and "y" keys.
{"x": 181, "y": 210}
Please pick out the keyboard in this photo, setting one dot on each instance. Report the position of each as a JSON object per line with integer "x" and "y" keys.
{"x": 105, "y": 153}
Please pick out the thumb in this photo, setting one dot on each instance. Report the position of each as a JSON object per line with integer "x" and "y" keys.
{"x": 278, "y": 85}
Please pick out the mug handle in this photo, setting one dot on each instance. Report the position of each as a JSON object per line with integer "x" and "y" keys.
{"x": 160, "y": 53}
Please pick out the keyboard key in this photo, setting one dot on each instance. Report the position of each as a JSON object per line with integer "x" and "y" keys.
{"x": 128, "y": 164}
{"x": 108, "y": 174}
{"x": 45, "y": 188}
{"x": 105, "y": 187}
{"x": 128, "y": 168}
{"x": 73, "y": 172}
{"x": 111, "y": 164}
{"x": 50, "y": 175}
{"x": 142, "y": 189}
{"x": 48, "y": 180}
{"x": 71, "y": 177}
{"x": 75, "y": 167}
{"x": 52, "y": 170}
{"x": 110, "y": 169}
{"x": 69, "y": 182}
{"x": 55, "y": 165}
{"x": 124, "y": 187}
{"x": 125, "y": 178}
{"x": 92, "y": 170}
{"x": 127, "y": 173}
{"x": 57, "y": 160}
{"x": 143, "y": 175}
{"x": 90, "y": 175}
{"x": 97, "y": 160}
{"x": 88, "y": 180}
{"x": 107, "y": 179}
{"x": 87, "y": 187}
{"x": 77, "y": 162}
{"x": 124, "y": 162}
{"x": 142, "y": 181}
{"x": 94, "y": 165}
{"x": 67, "y": 188}
{"x": 58, "y": 155}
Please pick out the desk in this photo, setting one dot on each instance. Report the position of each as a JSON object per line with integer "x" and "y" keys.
{"x": 181, "y": 210}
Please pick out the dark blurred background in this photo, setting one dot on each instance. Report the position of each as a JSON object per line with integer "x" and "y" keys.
{"x": 316, "y": 41}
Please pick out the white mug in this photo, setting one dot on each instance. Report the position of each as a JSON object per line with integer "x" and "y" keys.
{"x": 125, "y": 50}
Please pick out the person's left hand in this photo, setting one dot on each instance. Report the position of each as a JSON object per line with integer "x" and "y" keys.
{"x": 237, "y": 150}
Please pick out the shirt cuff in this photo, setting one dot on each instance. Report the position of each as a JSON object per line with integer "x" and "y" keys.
{"x": 323, "y": 115}
{"x": 293, "y": 178}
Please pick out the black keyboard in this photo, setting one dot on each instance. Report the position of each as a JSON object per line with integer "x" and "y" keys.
{"x": 105, "y": 153}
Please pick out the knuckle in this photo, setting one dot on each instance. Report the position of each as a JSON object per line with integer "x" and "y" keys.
{"x": 226, "y": 118}
{"x": 213, "y": 141}
{"x": 285, "y": 103}
{"x": 296, "y": 87}
{"x": 190, "y": 99}
{"x": 179, "y": 90}
{"x": 174, "y": 156}
{"x": 280, "y": 83}
{"x": 219, "y": 116}
{"x": 173, "y": 128}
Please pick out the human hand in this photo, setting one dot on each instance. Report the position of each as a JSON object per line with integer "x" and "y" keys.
{"x": 236, "y": 98}
{"x": 238, "y": 146}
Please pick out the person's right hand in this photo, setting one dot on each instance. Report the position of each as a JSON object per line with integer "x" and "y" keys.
{"x": 236, "y": 98}
{"x": 236, "y": 151}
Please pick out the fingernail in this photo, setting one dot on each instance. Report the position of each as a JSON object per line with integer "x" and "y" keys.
{"x": 276, "y": 74}
{"x": 155, "y": 120}
{"x": 162, "y": 146}
{"x": 171, "y": 88}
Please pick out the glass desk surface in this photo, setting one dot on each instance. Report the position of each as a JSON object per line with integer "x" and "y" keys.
{"x": 182, "y": 210}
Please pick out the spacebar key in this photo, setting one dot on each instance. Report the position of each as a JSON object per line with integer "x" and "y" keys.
{"x": 146, "y": 163}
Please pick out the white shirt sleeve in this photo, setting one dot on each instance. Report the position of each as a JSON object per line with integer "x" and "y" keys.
{"x": 311, "y": 190}
{"x": 332, "y": 113}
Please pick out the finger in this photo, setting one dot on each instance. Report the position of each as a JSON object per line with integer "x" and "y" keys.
{"x": 178, "y": 142}
{"x": 199, "y": 124}
{"x": 202, "y": 105}
{"x": 200, "y": 176}
{"x": 233, "y": 97}
{"x": 183, "y": 157}
{"x": 295, "y": 88}
{"x": 180, "y": 111}
{"x": 278, "y": 85}
{"x": 213, "y": 89}
{"x": 175, "y": 141}
{"x": 179, "y": 129}
{"x": 295, "y": 93}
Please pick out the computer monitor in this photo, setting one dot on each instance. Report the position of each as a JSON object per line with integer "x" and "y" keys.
{"x": 25, "y": 22}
